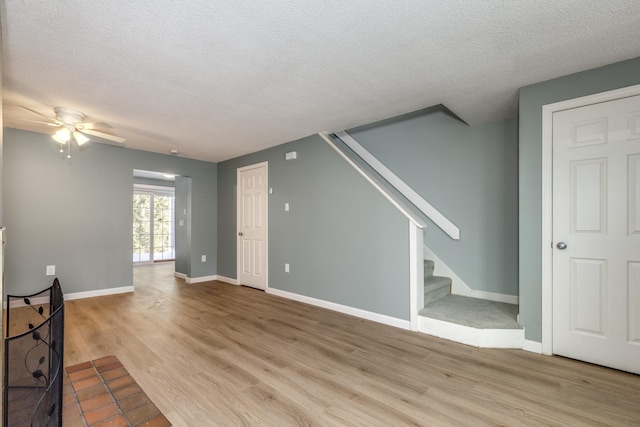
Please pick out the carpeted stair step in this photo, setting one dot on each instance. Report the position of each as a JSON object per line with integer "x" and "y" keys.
{"x": 436, "y": 287}
{"x": 428, "y": 268}
{"x": 473, "y": 312}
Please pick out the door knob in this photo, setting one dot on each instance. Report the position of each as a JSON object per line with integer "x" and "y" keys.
{"x": 561, "y": 245}
{"x": 240, "y": 233}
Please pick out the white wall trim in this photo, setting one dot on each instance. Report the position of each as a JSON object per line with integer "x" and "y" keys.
{"x": 409, "y": 215}
{"x": 98, "y": 293}
{"x": 375, "y": 317}
{"x": 459, "y": 287}
{"x": 547, "y": 198}
{"x": 224, "y": 279}
{"x": 416, "y": 274}
{"x": 71, "y": 296}
{"x": 483, "y": 338}
{"x": 432, "y": 213}
{"x": 34, "y": 302}
{"x": 493, "y": 296}
{"x": 200, "y": 279}
{"x": 532, "y": 346}
{"x": 191, "y": 280}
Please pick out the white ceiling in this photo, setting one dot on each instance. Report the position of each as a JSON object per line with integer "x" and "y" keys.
{"x": 218, "y": 79}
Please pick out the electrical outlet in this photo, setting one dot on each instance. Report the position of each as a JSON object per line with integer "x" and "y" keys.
{"x": 286, "y": 268}
{"x": 204, "y": 258}
{"x": 51, "y": 270}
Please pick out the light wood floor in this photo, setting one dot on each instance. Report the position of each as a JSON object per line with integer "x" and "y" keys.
{"x": 216, "y": 354}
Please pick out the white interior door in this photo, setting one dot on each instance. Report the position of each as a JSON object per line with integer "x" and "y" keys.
{"x": 596, "y": 233}
{"x": 252, "y": 226}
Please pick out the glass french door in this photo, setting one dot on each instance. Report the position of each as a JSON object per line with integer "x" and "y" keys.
{"x": 153, "y": 225}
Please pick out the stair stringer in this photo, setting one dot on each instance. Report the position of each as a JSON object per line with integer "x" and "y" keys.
{"x": 459, "y": 287}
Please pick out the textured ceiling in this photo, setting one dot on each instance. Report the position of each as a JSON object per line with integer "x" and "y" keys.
{"x": 218, "y": 79}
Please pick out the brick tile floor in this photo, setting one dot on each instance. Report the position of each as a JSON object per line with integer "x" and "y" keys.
{"x": 102, "y": 393}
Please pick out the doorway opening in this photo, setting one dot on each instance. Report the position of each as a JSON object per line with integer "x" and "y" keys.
{"x": 153, "y": 218}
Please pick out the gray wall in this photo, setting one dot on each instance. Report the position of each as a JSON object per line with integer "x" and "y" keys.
{"x": 1, "y": 162}
{"x": 76, "y": 214}
{"x": 532, "y": 98}
{"x": 183, "y": 232}
{"x": 470, "y": 175}
{"x": 344, "y": 242}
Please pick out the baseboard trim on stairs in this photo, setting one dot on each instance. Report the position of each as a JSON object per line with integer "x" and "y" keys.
{"x": 483, "y": 338}
{"x": 363, "y": 314}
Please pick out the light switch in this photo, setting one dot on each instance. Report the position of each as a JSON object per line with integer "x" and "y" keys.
{"x": 51, "y": 270}
{"x": 286, "y": 268}
{"x": 181, "y": 223}
{"x": 286, "y": 207}
{"x": 204, "y": 258}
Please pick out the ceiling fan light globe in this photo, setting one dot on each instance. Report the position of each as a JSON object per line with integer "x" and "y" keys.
{"x": 80, "y": 138}
{"x": 64, "y": 134}
{"x": 57, "y": 139}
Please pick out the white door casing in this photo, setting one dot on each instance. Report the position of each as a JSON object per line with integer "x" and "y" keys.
{"x": 596, "y": 212}
{"x": 252, "y": 248}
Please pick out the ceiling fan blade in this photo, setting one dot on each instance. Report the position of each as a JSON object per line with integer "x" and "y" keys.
{"x": 44, "y": 123}
{"x": 98, "y": 125}
{"x": 103, "y": 135}
{"x": 52, "y": 121}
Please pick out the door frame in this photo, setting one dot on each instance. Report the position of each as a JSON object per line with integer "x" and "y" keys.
{"x": 547, "y": 198}
{"x": 266, "y": 220}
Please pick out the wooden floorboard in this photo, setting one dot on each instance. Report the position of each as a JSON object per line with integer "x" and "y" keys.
{"x": 213, "y": 354}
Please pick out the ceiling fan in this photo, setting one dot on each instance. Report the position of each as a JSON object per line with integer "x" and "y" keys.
{"x": 71, "y": 124}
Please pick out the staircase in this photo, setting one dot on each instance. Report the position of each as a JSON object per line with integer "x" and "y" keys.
{"x": 435, "y": 287}
{"x": 473, "y": 321}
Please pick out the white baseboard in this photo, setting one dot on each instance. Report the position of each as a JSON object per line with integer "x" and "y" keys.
{"x": 98, "y": 293}
{"x": 380, "y": 318}
{"x": 201, "y": 279}
{"x": 73, "y": 295}
{"x": 483, "y": 338}
{"x": 459, "y": 287}
{"x": 228, "y": 280}
{"x": 492, "y": 296}
{"x": 532, "y": 346}
{"x": 34, "y": 301}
